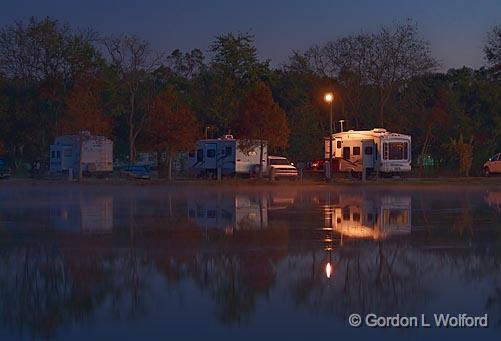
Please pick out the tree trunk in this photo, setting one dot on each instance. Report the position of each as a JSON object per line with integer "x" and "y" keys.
{"x": 382, "y": 102}
{"x": 170, "y": 165}
{"x": 132, "y": 139}
{"x": 381, "y": 114}
{"x": 261, "y": 159}
{"x": 424, "y": 148}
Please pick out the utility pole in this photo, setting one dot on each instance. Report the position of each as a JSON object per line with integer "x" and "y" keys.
{"x": 329, "y": 97}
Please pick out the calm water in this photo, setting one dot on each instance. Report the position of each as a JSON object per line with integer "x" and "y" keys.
{"x": 92, "y": 263}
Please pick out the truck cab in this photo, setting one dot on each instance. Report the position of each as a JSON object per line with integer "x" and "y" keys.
{"x": 280, "y": 167}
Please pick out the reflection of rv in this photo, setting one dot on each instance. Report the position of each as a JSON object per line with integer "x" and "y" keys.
{"x": 375, "y": 149}
{"x": 231, "y": 155}
{"x": 376, "y": 218}
{"x": 493, "y": 199}
{"x": 90, "y": 215}
{"x": 229, "y": 212}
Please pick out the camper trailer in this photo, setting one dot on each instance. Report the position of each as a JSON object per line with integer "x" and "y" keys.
{"x": 93, "y": 153}
{"x": 375, "y": 150}
{"x": 230, "y": 155}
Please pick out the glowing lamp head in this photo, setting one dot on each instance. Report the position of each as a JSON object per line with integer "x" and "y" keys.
{"x": 328, "y": 97}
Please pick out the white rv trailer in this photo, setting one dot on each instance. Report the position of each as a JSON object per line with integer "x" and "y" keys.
{"x": 96, "y": 153}
{"x": 227, "y": 153}
{"x": 376, "y": 150}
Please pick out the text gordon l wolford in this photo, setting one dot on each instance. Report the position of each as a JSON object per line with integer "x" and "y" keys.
{"x": 441, "y": 320}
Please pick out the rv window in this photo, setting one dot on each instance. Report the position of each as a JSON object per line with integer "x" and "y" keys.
{"x": 211, "y": 214}
{"x": 346, "y": 153}
{"x": 58, "y": 154}
{"x": 346, "y": 214}
{"x": 356, "y": 150}
{"x": 368, "y": 150}
{"x": 228, "y": 151}
{"x": 200, "y": 155}
{"x": 356, "y": 216}
{"x": 338, "y": 144}
{"x": 211, "y": 152}
{"x": 396, "y": 151}
{"x": 53, "y": 154}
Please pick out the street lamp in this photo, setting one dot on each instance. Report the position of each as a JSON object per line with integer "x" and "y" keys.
{"x": 329, "y": 97}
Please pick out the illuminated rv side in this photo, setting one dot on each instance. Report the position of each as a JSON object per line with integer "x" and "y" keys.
{"x": 376, "y": 150}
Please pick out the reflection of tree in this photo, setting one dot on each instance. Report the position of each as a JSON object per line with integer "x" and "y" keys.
{"x": 378, "y": 277}
{"x": 34, "y": 285}
{"x": 46, "y": 284}
{"x": 235, "y": 278}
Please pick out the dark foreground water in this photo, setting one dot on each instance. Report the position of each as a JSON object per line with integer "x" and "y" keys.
{"x": 101, "y": 263}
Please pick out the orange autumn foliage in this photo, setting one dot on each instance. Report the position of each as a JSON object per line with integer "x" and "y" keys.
{"x": 172, "y": 125}
{"x": 261, "y": 118}
{"x": 84, "y": 109}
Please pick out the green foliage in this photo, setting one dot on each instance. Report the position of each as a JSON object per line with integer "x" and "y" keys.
{"x": 492, "y": 49}
{"x": 233, "y": 69}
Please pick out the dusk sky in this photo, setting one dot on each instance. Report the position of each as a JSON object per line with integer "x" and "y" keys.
{"x": 456, "y": 29}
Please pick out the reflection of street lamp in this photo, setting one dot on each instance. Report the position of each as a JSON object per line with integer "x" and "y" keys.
{"x": 328, "y": 270}
{"x": 329, "y": 97}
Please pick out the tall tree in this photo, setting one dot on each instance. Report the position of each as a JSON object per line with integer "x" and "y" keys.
{"x": 84, "y": 108}
{"x": 40, "y": 59}
{"x": 396, "y": 55}
{"x": 299, "y": 91}
{"x": 132, "y": 60}
{"x": 171, "y": 127}
{"x": 261, "y": 119}
{"x": 492, "y": 49}
{"x": 345, "y": 59}
{"x": 384, "y": 61}
{"x": 233, "y": 69}
{"x": 46, "y": 50}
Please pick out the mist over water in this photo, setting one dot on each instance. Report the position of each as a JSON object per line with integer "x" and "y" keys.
{"x": 84, "y": 262}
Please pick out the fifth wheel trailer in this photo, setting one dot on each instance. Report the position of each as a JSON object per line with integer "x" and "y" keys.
{"x": 376, "y": 150}
{"x": 93, "y": 153}
{"x": 228, "y": 154}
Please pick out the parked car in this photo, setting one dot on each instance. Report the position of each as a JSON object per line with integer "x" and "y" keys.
{"x": 493, "y": 165}
{"x": 316, "y": 166}
{"x": 135, "y": 172}
{"x": 280, "y": 167}
{"x": 4, "y": 169}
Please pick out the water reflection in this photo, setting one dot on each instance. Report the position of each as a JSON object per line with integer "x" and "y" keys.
{"x": 357, "y": 216}
{"x": 235, "y": 259}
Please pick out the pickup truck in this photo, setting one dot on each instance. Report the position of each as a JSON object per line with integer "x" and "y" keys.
{"x": 280, "y": 167}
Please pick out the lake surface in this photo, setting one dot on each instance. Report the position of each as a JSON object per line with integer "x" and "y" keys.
{"x": 92, "y": 263}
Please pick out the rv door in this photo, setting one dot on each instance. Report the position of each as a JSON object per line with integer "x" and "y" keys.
{"x": 368, "y": 153}
{"x": 210, "y": 155}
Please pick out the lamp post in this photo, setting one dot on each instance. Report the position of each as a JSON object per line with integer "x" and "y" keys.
{"x": 329, "y": 97}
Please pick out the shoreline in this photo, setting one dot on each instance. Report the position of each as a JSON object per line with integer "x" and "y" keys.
{"x": 257, "y": 183}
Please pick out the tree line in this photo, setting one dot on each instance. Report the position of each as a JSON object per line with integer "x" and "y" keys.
{"x": 55, "y": 80}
